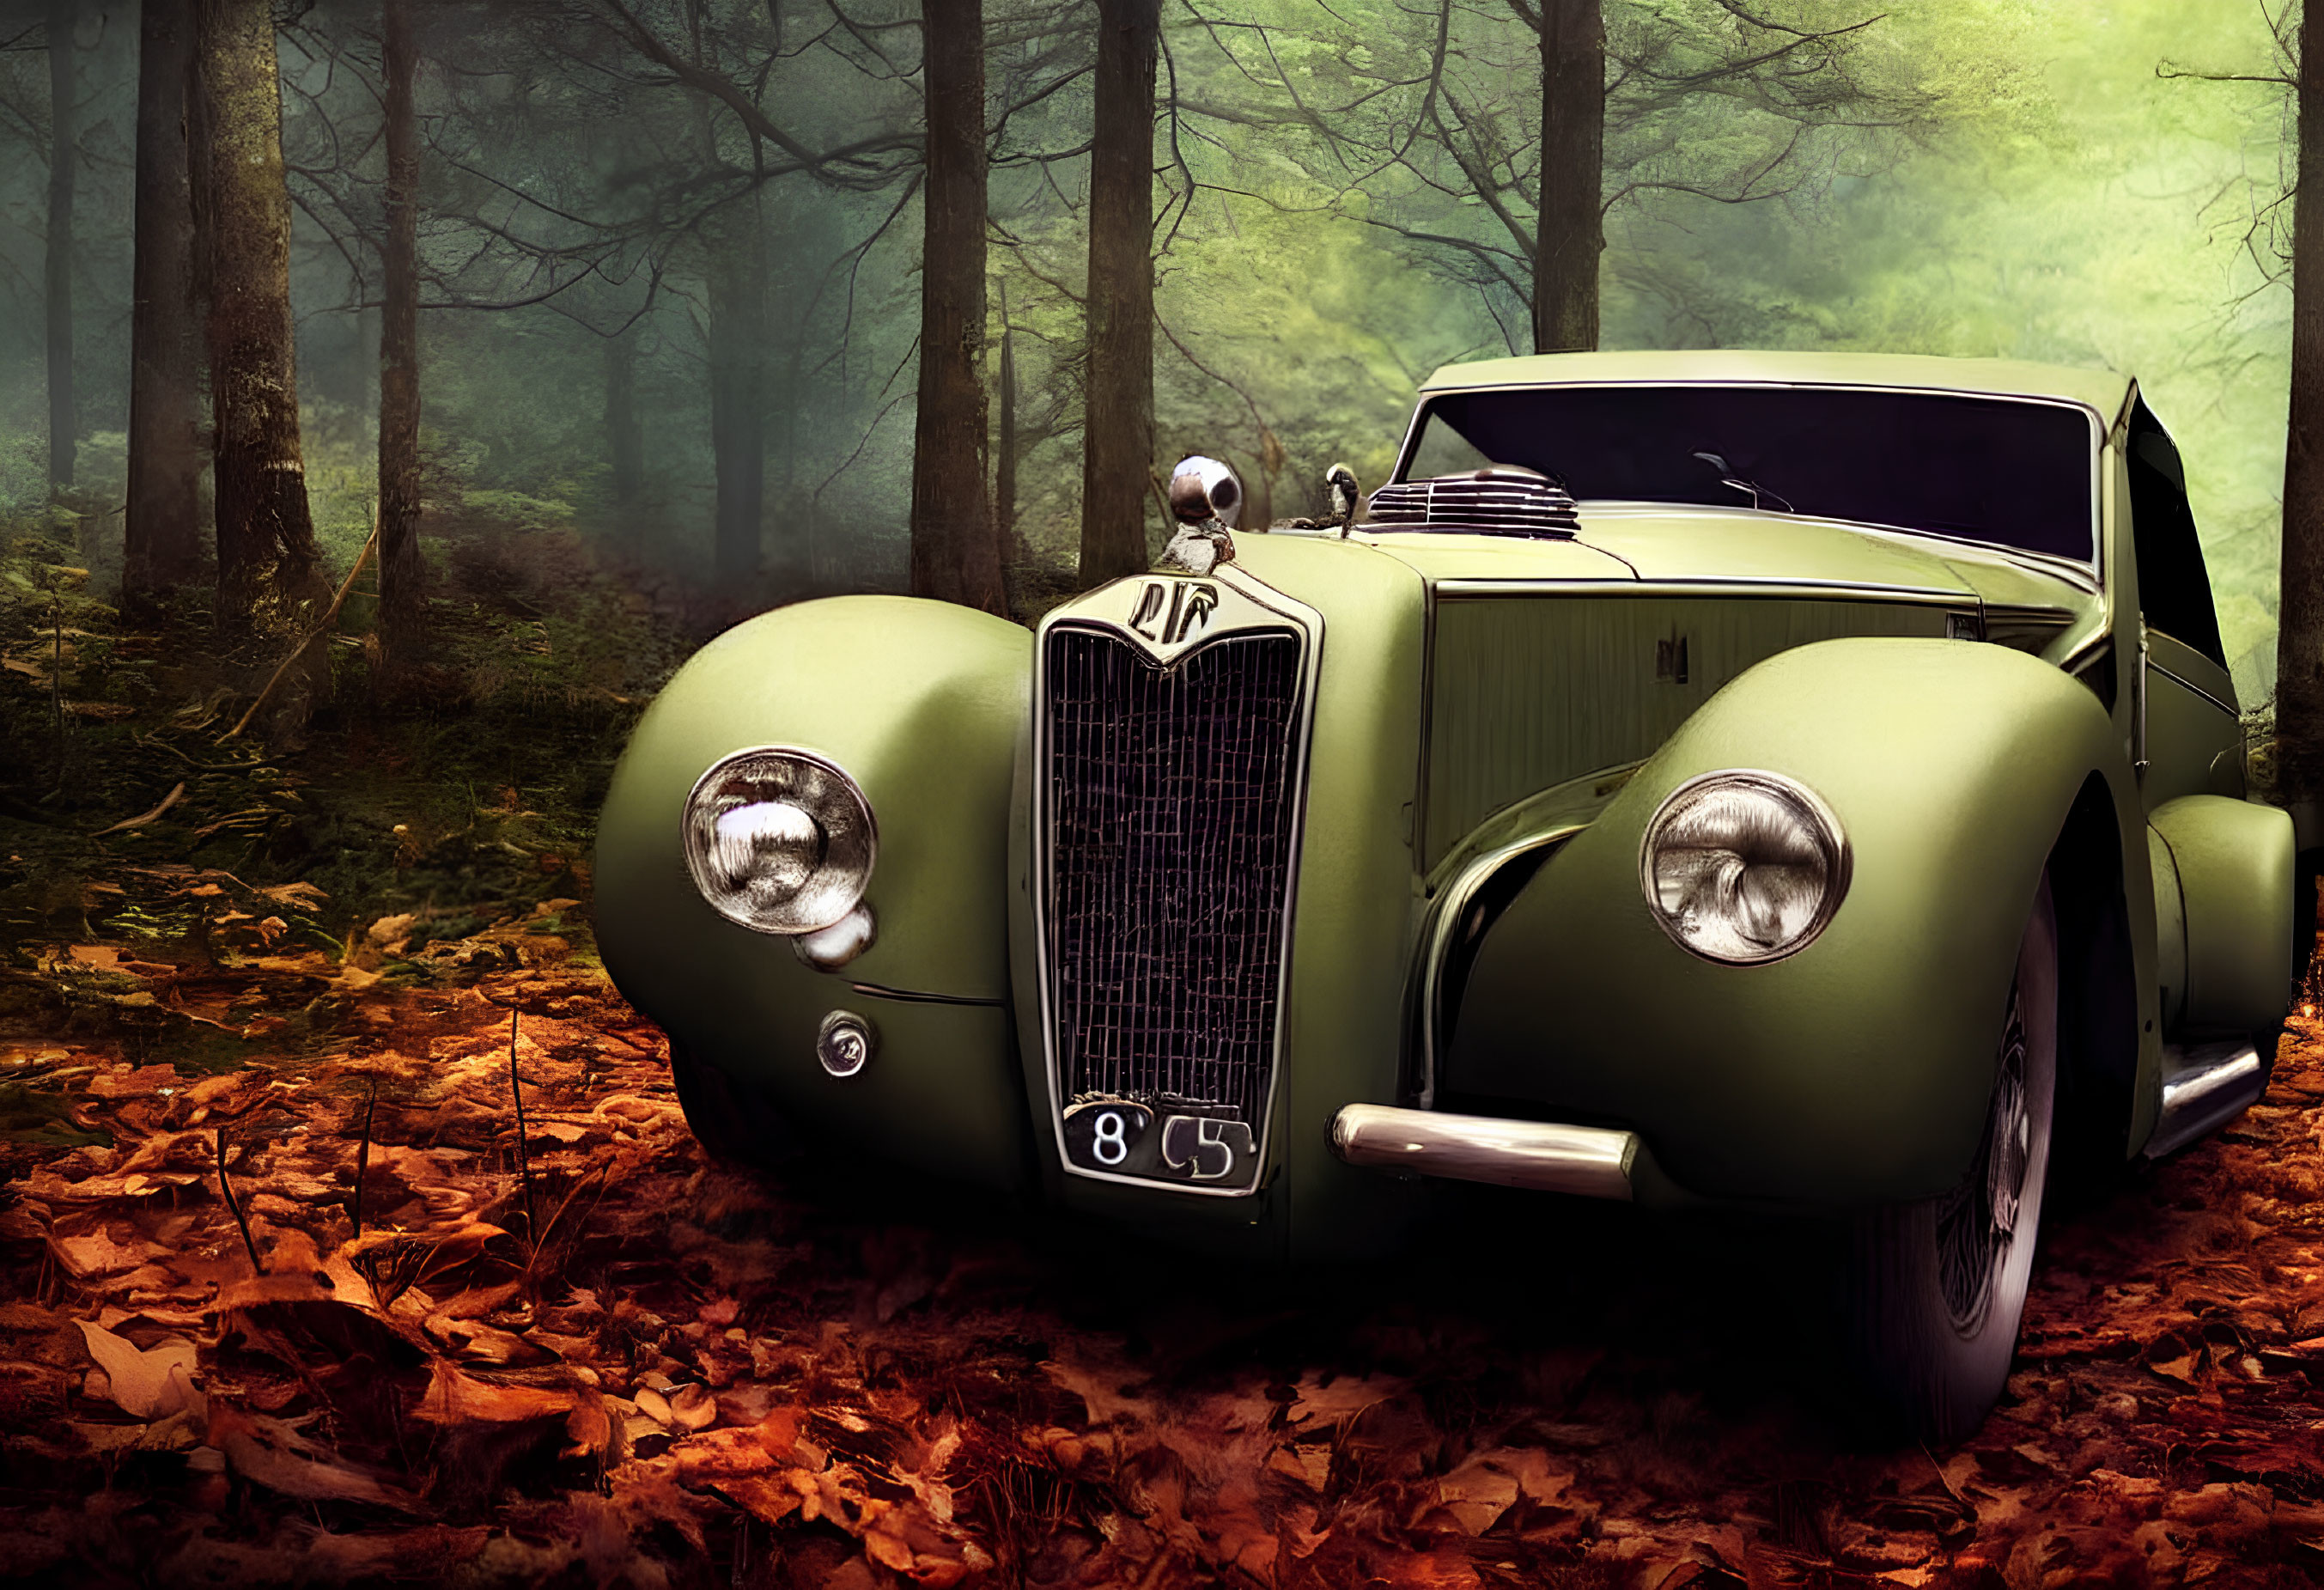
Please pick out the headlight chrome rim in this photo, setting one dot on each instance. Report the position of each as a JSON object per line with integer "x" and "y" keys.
{"x": 1805, "y": 805}
{"x": 790, "y": 783}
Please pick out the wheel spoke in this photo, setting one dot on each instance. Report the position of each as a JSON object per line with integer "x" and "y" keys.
{"x": 1976, "y": 1220}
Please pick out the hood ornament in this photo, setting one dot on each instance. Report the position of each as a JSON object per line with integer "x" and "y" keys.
{"x": 1340, "y": 486}
{"x": 1343, "y": 499}
{"x": 1206, "y": 500}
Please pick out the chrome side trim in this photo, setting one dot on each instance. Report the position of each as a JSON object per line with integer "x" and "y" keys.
{"x": 1416, "y": 838}
{"x": 2183, "y": 682}
{"x": 1797, "y": 589}
{"x": 2055, "y": 620}
{"x": 2203, "y": 1088}
{"x": 1541, "y": 1155}
{"x": 2086, "y": 652}
{"x": 1451, "y": 906}
{"x": 2027, "y": 627}
{"x": 2081, "y": 663}
{"x": 910, "y": 996}
{"x": 2138, "y": 710}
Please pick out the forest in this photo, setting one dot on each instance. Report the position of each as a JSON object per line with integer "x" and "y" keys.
{"x": 648, "y": 311}
{"x": 393, "y": 393}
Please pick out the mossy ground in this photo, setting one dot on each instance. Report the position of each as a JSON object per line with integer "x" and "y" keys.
{"x": 156, "y": 869}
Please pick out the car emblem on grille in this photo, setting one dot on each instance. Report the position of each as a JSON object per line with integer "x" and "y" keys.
{"x": 1168, "y": 617}
{"x": 1170, "y": 610}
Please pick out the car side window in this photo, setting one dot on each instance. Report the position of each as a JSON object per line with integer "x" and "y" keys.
{"x": 2173, "y": 587}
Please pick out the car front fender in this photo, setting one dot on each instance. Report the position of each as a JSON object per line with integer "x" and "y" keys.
{"x": 921, "y": 703}
{"x": 1857, "y": 1068}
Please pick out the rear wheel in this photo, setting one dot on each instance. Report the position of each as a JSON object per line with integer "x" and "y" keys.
{"x": 733, "y": 1120}
{"x": 1937, "y": 1285}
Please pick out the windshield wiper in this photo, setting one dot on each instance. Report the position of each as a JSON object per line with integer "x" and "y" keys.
{"x": 1726, "y": 477}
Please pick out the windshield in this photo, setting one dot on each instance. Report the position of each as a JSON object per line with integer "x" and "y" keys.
{"x": 2014, "y": 471}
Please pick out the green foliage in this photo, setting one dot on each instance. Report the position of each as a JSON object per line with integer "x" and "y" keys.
{"x": 342, "y": 475}
{"x": 1981, "y": 176}
{"x": 2094, "y": 215}
{"x": 517, "y": 508}
{"x": 2035, "y": 189}
{"x": 24, "y": 444}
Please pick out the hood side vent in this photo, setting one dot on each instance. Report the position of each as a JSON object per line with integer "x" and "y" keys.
{"x": 1498, "y": 500}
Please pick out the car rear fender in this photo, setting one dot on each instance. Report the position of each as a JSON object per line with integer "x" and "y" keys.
{"x": 922, "y": 704}
{"x": 2223, "y": 875}
{"x": 1858, "y": 1068}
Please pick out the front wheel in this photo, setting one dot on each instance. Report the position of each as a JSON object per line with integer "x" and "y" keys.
{"x": 1937, "y": 1285}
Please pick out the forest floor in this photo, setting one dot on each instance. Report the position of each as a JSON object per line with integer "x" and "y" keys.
{"x": 352, "y": 1232}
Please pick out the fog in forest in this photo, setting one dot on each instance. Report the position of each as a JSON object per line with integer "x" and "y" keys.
{"x": 660, "y": 242}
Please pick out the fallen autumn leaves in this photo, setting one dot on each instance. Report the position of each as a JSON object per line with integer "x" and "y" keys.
{"x": 687, "y": 1376}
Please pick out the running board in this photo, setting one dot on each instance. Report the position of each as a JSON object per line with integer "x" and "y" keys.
{"x": 2204, "y": 1088}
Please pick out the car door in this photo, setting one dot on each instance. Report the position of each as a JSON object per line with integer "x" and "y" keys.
{"x": 2191, "y": 734}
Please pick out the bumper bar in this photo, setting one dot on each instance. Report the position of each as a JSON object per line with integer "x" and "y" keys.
{"x": 1540, "y": 1155}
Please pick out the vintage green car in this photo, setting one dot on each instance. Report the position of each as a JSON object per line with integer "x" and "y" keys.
{"x": 1785, "y": 782}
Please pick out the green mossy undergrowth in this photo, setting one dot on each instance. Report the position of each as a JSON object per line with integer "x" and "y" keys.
{"x": 249, "y": 889}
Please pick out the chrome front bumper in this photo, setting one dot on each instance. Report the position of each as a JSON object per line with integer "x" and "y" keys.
{"x": 1540, "y": 1155}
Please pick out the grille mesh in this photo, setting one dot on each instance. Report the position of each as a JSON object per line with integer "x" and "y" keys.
{"x": 1502, "y": 500}
{"x": 1170, "y": 801}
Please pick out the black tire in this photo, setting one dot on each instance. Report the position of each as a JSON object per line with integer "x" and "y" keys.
{"x": 732, "y": 1122}
{"x": 1937, "y": 1286}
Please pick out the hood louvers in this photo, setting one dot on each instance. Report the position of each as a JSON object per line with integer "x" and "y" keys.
{"x": 1508, "y": 502}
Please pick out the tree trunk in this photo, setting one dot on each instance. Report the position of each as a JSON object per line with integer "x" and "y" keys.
{"x": 2300, "y": 633}
{"x": 267, "y": 567}
{"x": 402, "y": 605}
{"x": 956, "y": 557}
{"x": 201, "y": 206}
{"x": 738, "y": 423}
{"x": 1118, "y": 429}
{"x": 161, "y": 545}
{"x": 56, "y": 280}
{"x": 1571, "y": 233}
{"x": 625, "y": 440}
{"x": 1004, "y": 454}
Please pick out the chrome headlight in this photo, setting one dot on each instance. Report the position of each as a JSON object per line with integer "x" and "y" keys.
{"x": 1743, "y": 867}
{"x": 780, "y": 840}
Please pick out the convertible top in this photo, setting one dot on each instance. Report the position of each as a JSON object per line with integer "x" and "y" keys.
{"x": 2106, "y": 391}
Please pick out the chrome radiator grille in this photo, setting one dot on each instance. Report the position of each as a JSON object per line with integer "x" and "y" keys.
{"x": 1171, "y": 808}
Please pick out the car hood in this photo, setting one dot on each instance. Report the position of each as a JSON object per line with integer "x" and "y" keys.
{"x": 1663, "y": 543}
{"x": 1677, "y": 543}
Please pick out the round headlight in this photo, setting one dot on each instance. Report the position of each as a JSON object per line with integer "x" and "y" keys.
{"x": 1743, "y": 867}
{"x": 780, "y": 840}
